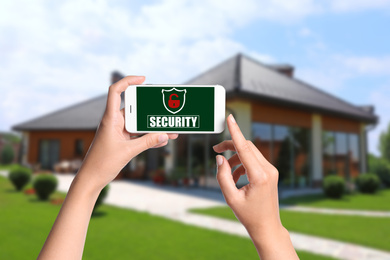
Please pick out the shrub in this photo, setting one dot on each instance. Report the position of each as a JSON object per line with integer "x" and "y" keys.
{"x": 45, "y": 185}
{"x": 368, "y": 183}
{"x": 101, "y": 197}
{"x": 380, "y": 167}
{"x": 20, "y": 176}
{"x": 7, "y": 155}
{"x": 334, "y": 186}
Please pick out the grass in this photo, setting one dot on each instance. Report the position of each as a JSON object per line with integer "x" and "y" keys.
{"x": 379, "y": 201}
{"x": 367, "y": 231}
{"x": 115, "y": 233}
{"x": 7, "y": 167}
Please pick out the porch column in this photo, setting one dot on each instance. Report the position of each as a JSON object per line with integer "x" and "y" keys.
{"x": 363, "y": 148}
{"x": 316, "y": 150}
{"x": 169, "y": 162}
{"x": 24, "y": 148}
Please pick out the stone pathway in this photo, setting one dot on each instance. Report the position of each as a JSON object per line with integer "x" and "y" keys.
{"x": 174, "y": 203}
{"x": 364, "y": 213}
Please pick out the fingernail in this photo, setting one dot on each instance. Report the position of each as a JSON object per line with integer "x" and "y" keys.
{"x": 162, "y": 138}
{"x": 219, "y": 160}
{"x": 232, "y": 118}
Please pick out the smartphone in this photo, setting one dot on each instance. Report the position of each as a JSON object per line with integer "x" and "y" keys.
{"x": 185, "y": 109}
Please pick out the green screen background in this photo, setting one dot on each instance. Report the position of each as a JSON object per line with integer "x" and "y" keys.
{"x": 199, "y": 101}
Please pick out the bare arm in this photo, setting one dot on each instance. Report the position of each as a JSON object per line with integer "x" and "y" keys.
{"x": 255, "y": 205}
{"x": 110, "y": 151}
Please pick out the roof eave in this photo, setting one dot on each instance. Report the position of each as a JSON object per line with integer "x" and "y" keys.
{"x": 370, "y": 119}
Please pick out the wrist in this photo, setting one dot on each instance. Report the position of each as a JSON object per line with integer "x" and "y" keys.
{"x": 84, "y": 187}
{"x": 269, "y": 241}
{"x": 267, "y": 233}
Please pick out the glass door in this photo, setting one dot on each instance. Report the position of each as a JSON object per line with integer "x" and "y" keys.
{"x": 49, "y": 153}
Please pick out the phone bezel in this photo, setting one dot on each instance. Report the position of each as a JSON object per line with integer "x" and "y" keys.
{"x": 219, "y": 109}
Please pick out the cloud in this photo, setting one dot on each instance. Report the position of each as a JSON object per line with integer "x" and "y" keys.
{"x": 358, "y": 5}
{"x": 57, "y": 53}
{"x": 368, "y": 65}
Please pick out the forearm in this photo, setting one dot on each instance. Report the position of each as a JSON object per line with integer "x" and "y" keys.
{"x": 67, "y": 236}
{"x": 273, "y": 244}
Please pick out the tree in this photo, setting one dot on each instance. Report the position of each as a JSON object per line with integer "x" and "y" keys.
{"x": 384, "y": 143}
{"x": 7, "y": 155}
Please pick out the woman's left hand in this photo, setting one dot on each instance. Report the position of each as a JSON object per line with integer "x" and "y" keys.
{"x": 113, "y": 147}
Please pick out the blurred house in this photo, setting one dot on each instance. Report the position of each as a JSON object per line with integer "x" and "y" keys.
{"x": 305, "y": 132}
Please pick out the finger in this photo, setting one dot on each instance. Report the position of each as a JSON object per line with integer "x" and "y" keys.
{"x": 147, "y": 141}
{"x": 226, "y": 145}
{"x": 234, "y": 160}
{"x": 225, "y": 179}
{"x": 258, "y": 154}
{"x": 173, "y": 136}
{"x": 244, "y": 149}
{"x": 114, "y": 98}
{"x": 160, "y": 145}
{"x": 238, "y": 172}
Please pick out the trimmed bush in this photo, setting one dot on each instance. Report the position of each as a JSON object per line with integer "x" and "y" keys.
{"x": 45, "y": 185}
{"x": 20, "y": 176}
{"x": 7, "y": 155}
{"x": 101, "y": 197}
{"x": 368, "y": 183}
{"x": 333, "y": 186}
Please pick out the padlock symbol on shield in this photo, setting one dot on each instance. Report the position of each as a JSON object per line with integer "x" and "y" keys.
{"x": 174, "y": 99}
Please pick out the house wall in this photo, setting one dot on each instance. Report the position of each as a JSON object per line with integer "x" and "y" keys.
{"x": 67, "y": 143}
{"x": 279, "y": 115}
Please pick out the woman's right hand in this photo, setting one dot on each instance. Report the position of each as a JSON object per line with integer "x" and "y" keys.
{"x": 256, "y": 204}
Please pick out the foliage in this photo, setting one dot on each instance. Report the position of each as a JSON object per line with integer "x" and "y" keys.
{"x": 45, "y": 185}
{"x": 7, "y": 154}
{"x": 380, "y": 167}
{"x": 333, "y": 186}
{"x": 384, "y": 143}
{"x": 102, "y": 195}
{"x": 11, "y": 138}
{"x": 20, "y": 176}
{"x": 368, "y": 183}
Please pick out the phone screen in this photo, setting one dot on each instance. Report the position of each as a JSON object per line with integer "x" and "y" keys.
{"x": 172, "y": 108}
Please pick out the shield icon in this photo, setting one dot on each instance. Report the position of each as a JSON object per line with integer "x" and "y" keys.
{"x": 174, "y": 99}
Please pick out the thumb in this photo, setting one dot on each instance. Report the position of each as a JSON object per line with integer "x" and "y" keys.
{"x": 225, "y": 178}
{"x": 147, "y": 141}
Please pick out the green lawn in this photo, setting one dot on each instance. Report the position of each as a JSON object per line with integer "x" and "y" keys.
{"x": 371, "y": 232}
{"x": 114, "y": 233}
{"x": 7, "y": 167}
{"x": 379, "y": 201}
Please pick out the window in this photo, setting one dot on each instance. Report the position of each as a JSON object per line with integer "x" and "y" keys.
{"x": 341, "y": 154}
{"x": 262, "y": 138}
{"x": 328, "y": 143}
{"x": 79, "y": 147}
{"x": 283, "y": 154}
{"x": 353, "y": 155}
{"x": 301, "y": 139}
{"x": 288, "y": 148}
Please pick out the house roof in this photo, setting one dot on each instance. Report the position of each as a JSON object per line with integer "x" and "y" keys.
{"x": 82, "y": 116}
{"x": 241, "y": 76}
{"x": 246, "y": 77}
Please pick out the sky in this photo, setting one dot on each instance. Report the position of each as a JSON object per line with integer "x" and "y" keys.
{"x": 57, "y": 53}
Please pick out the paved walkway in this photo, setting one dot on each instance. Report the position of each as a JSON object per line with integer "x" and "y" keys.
{"x": 364, "y": 213}
{"x": 174, "y": 203}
